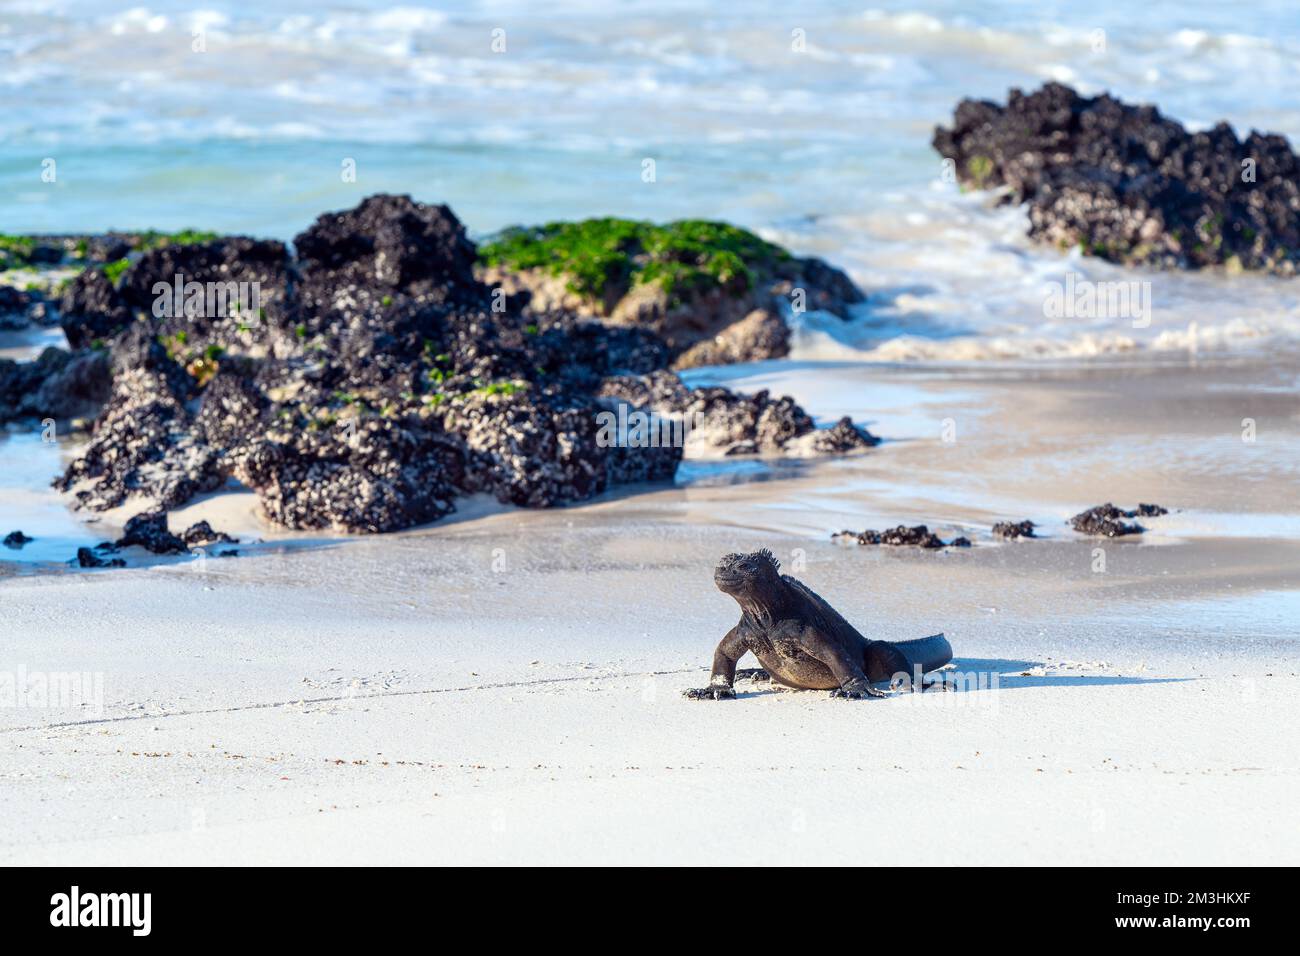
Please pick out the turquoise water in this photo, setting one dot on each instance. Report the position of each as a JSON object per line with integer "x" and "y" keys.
{"x": 249, "y": 134}
{"x": 810, "y": 124}
{"x": 28, "y": 504}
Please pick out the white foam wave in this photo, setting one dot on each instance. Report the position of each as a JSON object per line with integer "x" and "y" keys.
{"x": 827, "y": 137}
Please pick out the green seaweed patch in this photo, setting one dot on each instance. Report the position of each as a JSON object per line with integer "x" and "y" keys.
{"x": 114, "y": 270}
{"x": 175, "y": 345}
{"x": 15, "y": 251}
{"x": 501, "y": 388}
{"x": 980, "y": 169}
{"x": 153, "y": 239}
{"x": 601, "y": 259}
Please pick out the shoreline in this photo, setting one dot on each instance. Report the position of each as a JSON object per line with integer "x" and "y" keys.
{"x": 1100, "y": 431}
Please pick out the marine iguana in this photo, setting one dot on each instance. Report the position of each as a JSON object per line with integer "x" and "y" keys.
{"x": 801, "y": 640}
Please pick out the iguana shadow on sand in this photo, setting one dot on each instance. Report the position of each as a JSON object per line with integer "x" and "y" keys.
{"x": 802, "y": 641}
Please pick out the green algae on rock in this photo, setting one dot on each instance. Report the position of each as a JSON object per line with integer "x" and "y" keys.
{"x": 600, "y": 258}
{"x": 713, "y": 291}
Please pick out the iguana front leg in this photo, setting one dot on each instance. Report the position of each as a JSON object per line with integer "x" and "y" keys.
{"x": 730, "y": 649}
{"x": 848, "y": 672}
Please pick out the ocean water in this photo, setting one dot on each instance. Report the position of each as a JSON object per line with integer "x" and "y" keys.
{"x": 808, "y": 123}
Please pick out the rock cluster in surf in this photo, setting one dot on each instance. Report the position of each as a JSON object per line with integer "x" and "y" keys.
{"x": 57, "y": 384}
{"x": 1109, "y": 522}
{"x": 149, "y": 531}
{"x": 375, "y": 379}
{"x": 20, "y": 308}
{"x": 918, "y": 536}
{"x": 1011, "y": 530}
{"x": 1130, "y": 185}
{"x": 732, "y": 424}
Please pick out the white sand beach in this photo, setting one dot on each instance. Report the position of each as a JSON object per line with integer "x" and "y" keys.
{"x": 1040, "y": 303}
{"x": 504, "y": 687}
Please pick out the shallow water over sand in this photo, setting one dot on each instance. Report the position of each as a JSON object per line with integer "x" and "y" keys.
{"x": 1040, "y": 443}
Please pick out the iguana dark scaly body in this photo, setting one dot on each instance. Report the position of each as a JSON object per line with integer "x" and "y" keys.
{"x": 801, "y": 640}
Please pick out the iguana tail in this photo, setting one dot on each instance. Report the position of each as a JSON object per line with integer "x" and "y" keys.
{"x": 885, "y": 659}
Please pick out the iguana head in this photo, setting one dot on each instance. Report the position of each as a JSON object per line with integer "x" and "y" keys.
{"x": 748, "y": 576}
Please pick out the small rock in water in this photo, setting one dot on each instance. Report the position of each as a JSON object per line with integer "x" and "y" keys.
{"x": 1014, "y": 529}
{"x": 87, "y": 558}
{"x": 16, "y": 539}
{"x": 1107, "y": 520}
{"x": 919, "y": 536}
{"x": 149, "y": 531}
{"x": 201, "y": 533}
{"x": 844, "y": 436}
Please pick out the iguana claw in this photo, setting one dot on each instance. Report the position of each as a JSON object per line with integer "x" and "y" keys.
{"x": 712, "y": 692}
{"x": 857, "y": 690}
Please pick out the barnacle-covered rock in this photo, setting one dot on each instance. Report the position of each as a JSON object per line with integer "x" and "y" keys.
{"x": 1130, "y": 185}
{"x": 378, "y": 381}
{"x": 1107, "y": 521}
{"x": 56, "y": 384}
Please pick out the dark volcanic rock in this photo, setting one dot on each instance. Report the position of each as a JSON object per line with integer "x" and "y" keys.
{"x": 19, "y": 308}
{"x": 86, "y": 558}
{"x": 525, "y": 452}
{"x": 92, "y": 309}
{"x": 919, "y": 536}
{"x": 143, "y": 442}
{"x": 1105, "y": 520}
{"x": 733, "y": 423}
{"x": 379, "y": 381}
{"x": 769, "y": 423}
{"x": 201, "y": 533}
{"x": 209, "y": 298}
{"x": 762, "y": 334}
{"x": 1014, "y": 529}
{"x": 736, "y": 424}
{"x": 1130, "y": 185}
{"x": 57, "y": 384}
{"x": 1108, "y": 521}
{"x": 13, "y": 308}
{"x": 843, "y": 437}
{"x": 389, "y": 241}
{"x": 149, "y": 531}
{"x": 16, "y": 539}
{"x": 386, "y": 478}
{"x": 77, "y": 387}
